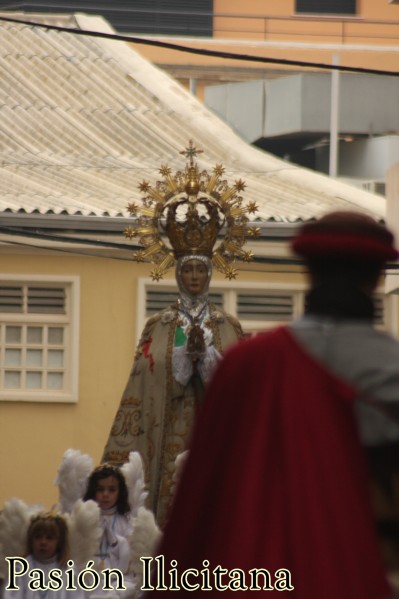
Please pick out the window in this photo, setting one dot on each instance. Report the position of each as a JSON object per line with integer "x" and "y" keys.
{"x": 257, "y": 306}
{"x": 158, "y": 299}
{"x": 329, "y": 7}
{"x": 386, "y": 312}
{"x": 38, "y": 339}
{"x": 265, "y": 306}
{"x": 169, "y": 17}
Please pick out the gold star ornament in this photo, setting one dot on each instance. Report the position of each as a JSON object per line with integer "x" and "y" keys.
{"x": 184, "y": 214}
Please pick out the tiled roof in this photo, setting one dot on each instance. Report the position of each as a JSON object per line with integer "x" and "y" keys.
{"x": 84, "y": 120}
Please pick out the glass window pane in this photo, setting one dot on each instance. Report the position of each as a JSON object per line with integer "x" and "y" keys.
{"x": 12, "y": 380}
{"x": 13, "y": 334}
{"x": 55, "y": 335}
{"x": 55, "y": 380}
{"x": 13, "y": 357}
{"x": 34, "y": 380}
{"x": 55, "y": 358}
{"x": 35, "y": 335}
{"x": 331, "y": 7}
{"x": 34, "y": 357}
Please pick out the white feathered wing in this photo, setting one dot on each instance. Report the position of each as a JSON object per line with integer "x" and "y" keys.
{"x": 14, "y": 523}
{"x": 133, "y": 471}
{"x": 84, "y": 531}
{"x": 144, "y": 540}
{"x": 180, "y": 461}
{"x": 72, "y": 477}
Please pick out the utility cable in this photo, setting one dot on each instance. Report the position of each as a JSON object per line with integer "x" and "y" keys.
{"x": 201, "y": 51}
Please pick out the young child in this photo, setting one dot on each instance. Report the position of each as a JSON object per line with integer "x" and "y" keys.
{"x": 107, "y": 487}
{"x": 47, "y": 548}
{"x": 117, "y": 494}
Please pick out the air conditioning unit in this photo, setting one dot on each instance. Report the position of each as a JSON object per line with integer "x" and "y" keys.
{"x": 374, "y": 186}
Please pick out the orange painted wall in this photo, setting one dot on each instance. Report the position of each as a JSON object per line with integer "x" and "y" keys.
{"x": 272, "y": 29}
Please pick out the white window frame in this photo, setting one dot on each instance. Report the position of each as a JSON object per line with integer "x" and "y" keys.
{"x": 231, "y": 288}
{"x": 391, "y": 314}
{"x": 71, "y": 323}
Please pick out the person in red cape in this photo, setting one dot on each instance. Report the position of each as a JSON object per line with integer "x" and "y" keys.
{"x": 274, "y": 493}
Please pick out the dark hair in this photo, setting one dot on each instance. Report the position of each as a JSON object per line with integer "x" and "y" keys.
{"x": 342, "y": 288}
{"x": 55, "y": 527}
{"x": 343, "y": 270}
{"x": 105, "y": 471}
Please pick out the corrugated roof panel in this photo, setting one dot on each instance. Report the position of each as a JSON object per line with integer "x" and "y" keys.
{"x": 84, "y": 120}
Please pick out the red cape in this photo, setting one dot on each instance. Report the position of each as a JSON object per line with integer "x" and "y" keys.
{"x": 276, "y": 479}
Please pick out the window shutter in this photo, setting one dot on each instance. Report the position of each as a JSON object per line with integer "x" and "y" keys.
{"x": 46, "y": 300}
{"x": 379, "y": 310}
{"x": 158, "y": 299}
{"x": 32, "y": 299}
{"x": 11, "y": 299}
{"x": 277, "y": 307}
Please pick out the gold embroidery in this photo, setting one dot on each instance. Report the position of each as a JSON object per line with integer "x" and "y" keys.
{"x": 166, "y": 413}
{"x": 127, "y": 424}
{"x": 235, "y": 323}
{"x": 156, "y": 413}
{"x": 217, "y": 341}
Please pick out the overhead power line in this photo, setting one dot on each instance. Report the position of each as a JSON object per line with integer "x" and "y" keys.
{"x": 201, "y": 51}
{"x": 94, "y": 243}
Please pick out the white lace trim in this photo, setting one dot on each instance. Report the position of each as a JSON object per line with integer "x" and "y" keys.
{"x": 182, "y": 366}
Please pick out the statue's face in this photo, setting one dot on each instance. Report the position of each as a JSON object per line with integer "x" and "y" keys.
{"x": 194, "y": 277}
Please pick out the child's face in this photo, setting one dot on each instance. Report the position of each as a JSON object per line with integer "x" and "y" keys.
{"x": 44, "y": 546}
{"x": 107, "y": 492}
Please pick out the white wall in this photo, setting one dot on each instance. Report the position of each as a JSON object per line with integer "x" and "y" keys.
{"x": 364, "y": 159}
{"x": 298, "y": 104}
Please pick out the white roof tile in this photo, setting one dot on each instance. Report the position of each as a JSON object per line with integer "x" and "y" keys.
{"x": 84, "y": 120}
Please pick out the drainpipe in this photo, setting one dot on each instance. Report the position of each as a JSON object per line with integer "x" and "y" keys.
{"x": 334, "y": 128}
{"x": 193, "y": 86}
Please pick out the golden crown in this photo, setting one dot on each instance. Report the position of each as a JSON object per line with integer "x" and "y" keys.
{"x": 50, "y": 515}
{"x": 106, "y": 466}
{"x": 190, "y": 208}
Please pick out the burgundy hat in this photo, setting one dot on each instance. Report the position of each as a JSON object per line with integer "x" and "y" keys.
{"x": 346, "y": 234}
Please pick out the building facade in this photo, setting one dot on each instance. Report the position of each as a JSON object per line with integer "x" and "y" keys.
{"x": 83, "y": 122}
